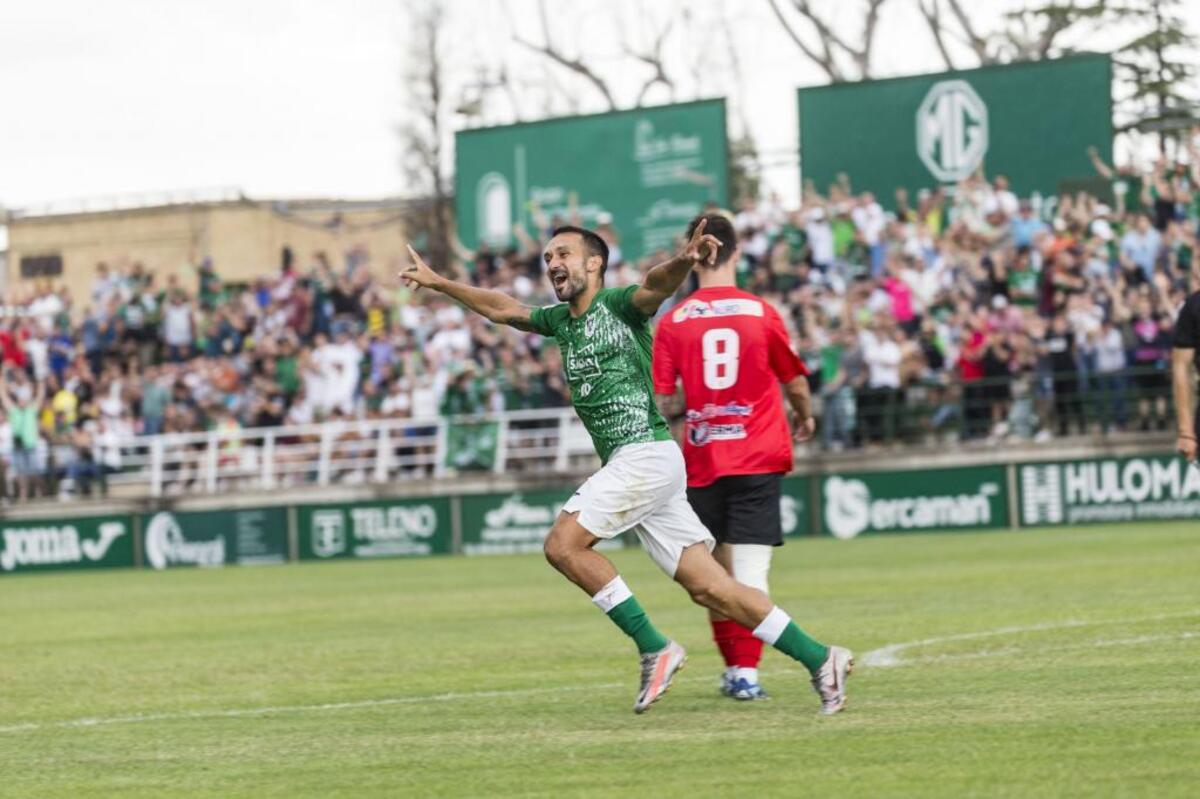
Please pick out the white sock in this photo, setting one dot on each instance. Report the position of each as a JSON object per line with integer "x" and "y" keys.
{"x": 769, "y": 630}
{"x": 749, "y": 675}
{"x": 612, "y": 594}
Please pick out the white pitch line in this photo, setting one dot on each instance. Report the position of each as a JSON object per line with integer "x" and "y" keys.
{"x": 1099, "y": 643}
{"x": 452, "y": 696}
{"x": 887, "y": 656}
{"x": 266, "y": 711}
{"x": 882, "y": 657}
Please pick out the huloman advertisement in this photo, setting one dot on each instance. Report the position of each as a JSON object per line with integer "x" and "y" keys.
{"x": 1109, "y": 490}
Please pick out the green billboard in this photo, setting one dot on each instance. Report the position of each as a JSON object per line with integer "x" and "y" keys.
{"x": 516, "y": 521}
{"x": 80, "y": 543}
{"x": 245, "y": 536}
{"x": 1129, "y": 489}
{"x": 914, "y": 501}
{"x": 376, "y": 529}
{"x": 794, "y": 505}
{"x": 650, "y": 169}
{"x": 1031, "y": 121}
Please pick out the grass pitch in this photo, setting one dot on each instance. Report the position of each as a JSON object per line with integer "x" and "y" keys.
{"x": 1038, "y": 663}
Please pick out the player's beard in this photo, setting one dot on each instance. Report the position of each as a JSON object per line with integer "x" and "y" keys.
{"x": 572, "y": 287}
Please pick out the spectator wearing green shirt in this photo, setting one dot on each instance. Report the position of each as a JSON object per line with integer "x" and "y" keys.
{"x": 842, "y": 371}
{"x": 21, "y": 401}
{"x": 463, "y": 396}
{"x": 1023, "y": 280}
{"x": 209, "y": 284}
{"x": 155, "y": 398}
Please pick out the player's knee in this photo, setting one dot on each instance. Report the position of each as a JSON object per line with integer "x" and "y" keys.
{"x": 713, "y": 594}
{"x": 556, "y": 548}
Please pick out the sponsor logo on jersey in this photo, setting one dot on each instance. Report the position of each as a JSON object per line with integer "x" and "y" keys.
{"x": 699, "y": 309}
{"x": 701, "y": 433}
{"x": 711, "y": 411}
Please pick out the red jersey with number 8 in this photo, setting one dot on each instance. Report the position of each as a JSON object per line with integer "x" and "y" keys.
{"x": 732, "y": 351}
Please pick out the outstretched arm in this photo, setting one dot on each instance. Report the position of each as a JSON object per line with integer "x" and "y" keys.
{"x": 801, "y": 401}
{"x": 494, "y": 305}
{"x": 1181, "y": 373}
{"x": 665, "y": 279}
{"x": 1102, "y": 169}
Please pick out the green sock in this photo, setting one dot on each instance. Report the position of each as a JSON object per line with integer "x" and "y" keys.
{"x": 796, "y": 643}
{"x": 633, "y": 621}
{"x": 778, "y": 630}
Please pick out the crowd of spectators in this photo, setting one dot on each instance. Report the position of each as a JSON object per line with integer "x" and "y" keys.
{"x": 964, "y": 311}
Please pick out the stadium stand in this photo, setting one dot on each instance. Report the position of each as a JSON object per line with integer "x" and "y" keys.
{"x": 969, "y": 316}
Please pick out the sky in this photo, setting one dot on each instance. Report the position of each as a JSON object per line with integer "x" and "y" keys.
{"x": 303, "y": 98}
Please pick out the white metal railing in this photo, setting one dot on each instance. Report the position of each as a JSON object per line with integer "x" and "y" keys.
{"x": 346, "y": 452}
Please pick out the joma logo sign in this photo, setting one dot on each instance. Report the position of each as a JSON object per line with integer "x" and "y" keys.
{"x": 952, "y": 130}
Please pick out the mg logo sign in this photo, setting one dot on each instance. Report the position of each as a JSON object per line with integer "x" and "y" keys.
{"x": 952, "y": 130}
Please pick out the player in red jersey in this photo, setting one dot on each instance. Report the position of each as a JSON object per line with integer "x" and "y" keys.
{"x": 731, "y": 350}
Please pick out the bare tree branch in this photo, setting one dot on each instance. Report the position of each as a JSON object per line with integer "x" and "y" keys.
{"x": 976, "y": 42}
{"x": 739, "y": 75}
{"x": 653, "y": 59}
{"x": 827, "y": 34}
{"x": 574, "y": 64}
{"x": 424, "y": 132}
{"x": 933, "y": 17}
{"x": 863, "y": 56}
{"x": 510, "y": 91}
{"x": 1056, "y": 24}
{"x": 824, "y": 59}
{"x": 831, "y": 42}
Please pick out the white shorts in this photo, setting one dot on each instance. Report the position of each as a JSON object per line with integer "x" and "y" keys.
{"x": 643, "y": 487}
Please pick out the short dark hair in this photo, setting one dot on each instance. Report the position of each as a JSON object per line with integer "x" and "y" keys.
{"x": 593, "y": 245}
{"x": 718, "y": 225}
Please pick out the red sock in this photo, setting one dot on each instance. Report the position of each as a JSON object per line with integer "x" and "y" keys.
{"x": 746, "y": 650}
{"x": 725, "y": 634}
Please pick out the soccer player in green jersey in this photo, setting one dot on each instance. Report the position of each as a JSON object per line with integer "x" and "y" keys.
{"x": 605, "y": 338}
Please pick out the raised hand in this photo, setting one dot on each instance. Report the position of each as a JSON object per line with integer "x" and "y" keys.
{"x": 703, "y": 247}
{"x": 418, "y": 274}
{"x": 1186, "y": 446}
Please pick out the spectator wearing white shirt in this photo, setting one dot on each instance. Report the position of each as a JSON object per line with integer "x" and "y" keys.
{"x": 820, "y": 239}
{"x": 104, "y": 285}
{"x": 1111, "y": 379}
{"x": 179, "y": 327}
{"x": 1001, "y": 200}
{"x": 879, "y": 403}
{"x": 398, "y": 402}
{"x": 1085, "y": 318}
{"x": 452, "y": 341}
{"x": 45, "y": 308}
{"x": 871, "y": 221}
{"x": 1141, "y": 245}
